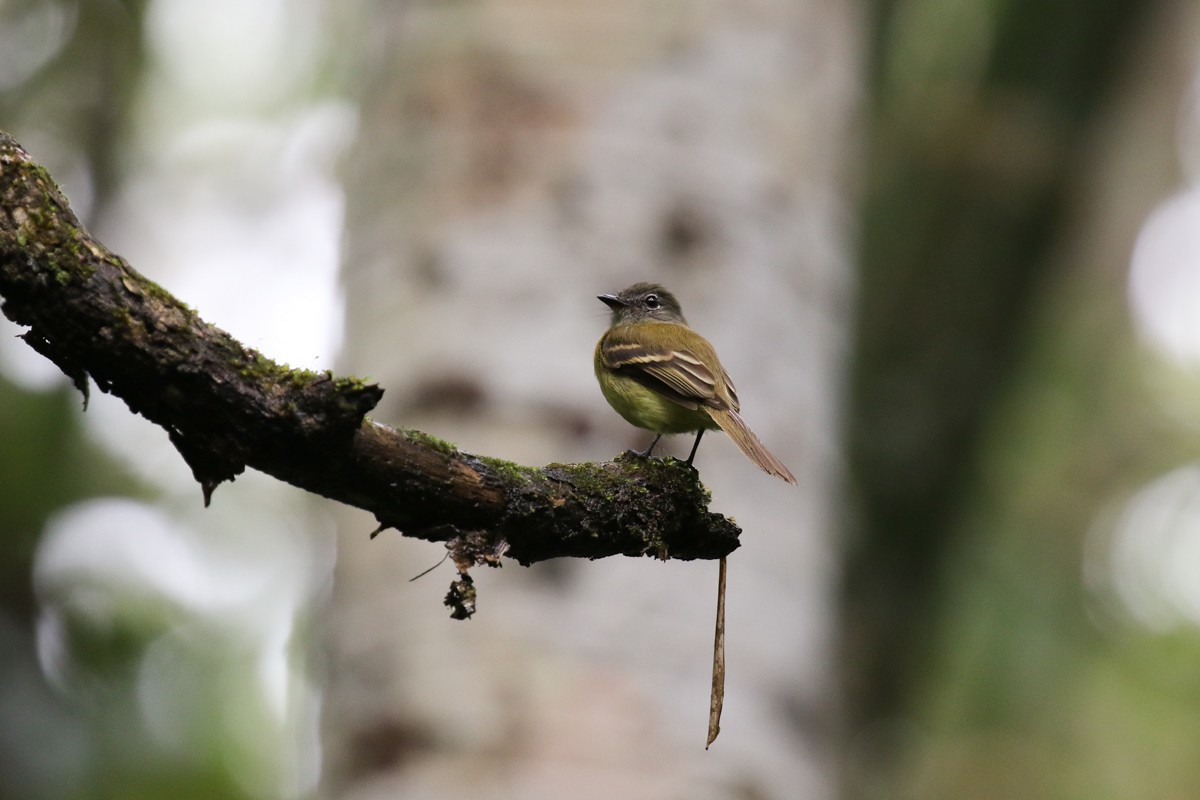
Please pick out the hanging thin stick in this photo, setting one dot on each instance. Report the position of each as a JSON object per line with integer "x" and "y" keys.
{"x": 717, "y": 700}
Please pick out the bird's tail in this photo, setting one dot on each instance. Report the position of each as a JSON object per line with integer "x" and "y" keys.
{"x": 737, "y": 430}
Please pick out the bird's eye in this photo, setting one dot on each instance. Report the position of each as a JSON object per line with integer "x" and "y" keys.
{"x": 652, "y": 301}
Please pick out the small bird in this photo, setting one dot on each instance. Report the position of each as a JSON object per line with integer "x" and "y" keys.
{"x": 661, "y": 375}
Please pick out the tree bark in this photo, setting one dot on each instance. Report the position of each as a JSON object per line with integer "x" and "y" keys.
{"x": 226, "y": 407}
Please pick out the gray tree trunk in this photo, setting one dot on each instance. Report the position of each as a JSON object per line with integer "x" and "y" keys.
{"x": 514, "y": 160}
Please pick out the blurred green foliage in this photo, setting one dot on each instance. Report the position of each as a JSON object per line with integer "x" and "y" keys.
{"x": 998, "y": 404}
{"x": 1000, "y": 408}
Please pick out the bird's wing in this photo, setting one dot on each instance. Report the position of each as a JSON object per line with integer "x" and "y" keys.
{"x": 729, "y": 387}
{"x": 673, "y": 371}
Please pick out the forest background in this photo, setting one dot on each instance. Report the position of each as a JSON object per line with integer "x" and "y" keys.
{"x": 950, "y": 252}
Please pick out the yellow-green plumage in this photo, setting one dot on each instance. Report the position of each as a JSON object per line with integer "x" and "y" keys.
{"x": 661, "y": 375}
{"x": 645, "y": 407}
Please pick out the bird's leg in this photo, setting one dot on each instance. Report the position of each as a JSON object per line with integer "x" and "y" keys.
{"x": 696, "y": 445}
{"x": 646, "y": 453}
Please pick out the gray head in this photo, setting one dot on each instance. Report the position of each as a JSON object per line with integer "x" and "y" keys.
{"x": 643, "y": 301}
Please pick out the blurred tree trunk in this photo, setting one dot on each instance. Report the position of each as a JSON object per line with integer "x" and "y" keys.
{"x": 70, "y": 98}
{"x": 515, "y": 160}
{"x": 984, "y": 121}
{"x": 101, "y": 49}
{"x": 73, "y": 69}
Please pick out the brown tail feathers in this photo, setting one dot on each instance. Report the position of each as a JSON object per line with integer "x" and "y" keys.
{"x": 748, "y": 443}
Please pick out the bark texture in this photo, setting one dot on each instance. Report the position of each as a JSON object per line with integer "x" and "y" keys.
{"x": 227, "y": 407}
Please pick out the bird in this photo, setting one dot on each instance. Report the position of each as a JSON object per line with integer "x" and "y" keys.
{"x": 661, "y": 375}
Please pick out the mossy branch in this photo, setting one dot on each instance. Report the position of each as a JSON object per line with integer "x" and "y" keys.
{"x": 226, "y": 407}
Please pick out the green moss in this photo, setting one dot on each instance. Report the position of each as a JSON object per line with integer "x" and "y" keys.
{"x": 257, "y": 366}
{"x": 509, "y": 472}
{"x": 431, "y": 442}
{"x": 153, "y": 290}
{"x": 347, "y": 381}
{"x": 592, "y": 480}
{"x": 123, "y": 319}
{"x": 300, "y": 378}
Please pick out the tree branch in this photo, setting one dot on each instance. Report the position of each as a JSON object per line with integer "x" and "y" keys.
{"x": 226, "y": 407}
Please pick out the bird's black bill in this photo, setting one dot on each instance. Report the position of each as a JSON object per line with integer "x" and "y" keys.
{"x": 611, "y": 300}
